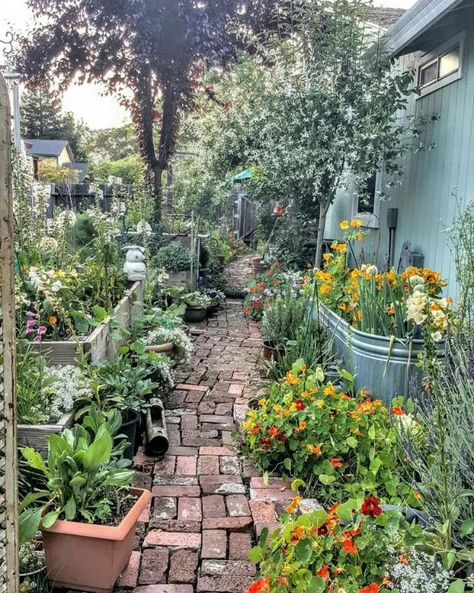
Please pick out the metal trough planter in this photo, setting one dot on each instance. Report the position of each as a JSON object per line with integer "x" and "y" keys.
{"x": 99, "y": 344}
{"x": 383, "y": 366}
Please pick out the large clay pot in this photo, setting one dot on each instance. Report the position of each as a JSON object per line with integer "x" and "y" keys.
{"x": 91, "y": 557}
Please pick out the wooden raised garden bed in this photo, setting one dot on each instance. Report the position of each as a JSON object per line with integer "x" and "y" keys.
{"x": 36, "y": 435}
{"x": 99, "y": 344}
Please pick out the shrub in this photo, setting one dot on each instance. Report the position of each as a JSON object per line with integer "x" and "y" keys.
{"x": 173, "y": 257}
{"x": 283, "y": 317}
{"x": 340, "y": 444}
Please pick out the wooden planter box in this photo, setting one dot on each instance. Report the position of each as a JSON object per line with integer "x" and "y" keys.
{"x": 36, "y": 435}
{"x": 99, "y": 344}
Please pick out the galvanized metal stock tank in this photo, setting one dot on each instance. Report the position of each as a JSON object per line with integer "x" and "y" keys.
{"x": 383, "y": 366}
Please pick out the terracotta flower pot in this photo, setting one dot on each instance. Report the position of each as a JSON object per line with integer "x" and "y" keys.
{"x": 91, "y": 557}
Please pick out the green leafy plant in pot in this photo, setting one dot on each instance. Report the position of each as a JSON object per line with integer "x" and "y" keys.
{"x": 87, "y": 511}
{"x": 196, "y": 306}
{"x": 281, "y": 322}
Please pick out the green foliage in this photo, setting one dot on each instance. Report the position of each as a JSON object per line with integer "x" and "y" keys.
{"x": 85, "y": 476}
{"x": 350, "y": 548}
{"x": 283, "y": 318}
{"x": 130, "y": 170}
{"x": 173, "y": 257}
{"x": 340, "y": 444}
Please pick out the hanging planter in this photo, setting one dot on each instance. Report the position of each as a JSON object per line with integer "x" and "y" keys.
{"x": 384, "y": 366}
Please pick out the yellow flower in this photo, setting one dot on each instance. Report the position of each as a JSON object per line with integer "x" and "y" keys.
{"x": 262, "y": 402}
{"x": 294, "y": 505}
{"x": 328, "y": 256}
{"x": 330, "y": 390}
{"x": 360, "y": 236}
{"x": 315, "y": 449}
{"x": 291, "y": 379}
{"x": 325, "y": 289}
{"x": 319, "y": 403}
{"x": 302, "y": 426}
{"x": 356, "y": 223}
{"x": 344, "y": 225}
{"x": 252, "y": 414}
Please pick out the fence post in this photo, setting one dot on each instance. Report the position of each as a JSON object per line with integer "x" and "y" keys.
{"x": 8, "y": 440}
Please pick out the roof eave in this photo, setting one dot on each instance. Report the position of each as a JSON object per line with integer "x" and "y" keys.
{"x": 423, "y": 15}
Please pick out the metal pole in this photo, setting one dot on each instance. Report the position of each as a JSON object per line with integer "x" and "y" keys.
{"x": 8, "y": 438}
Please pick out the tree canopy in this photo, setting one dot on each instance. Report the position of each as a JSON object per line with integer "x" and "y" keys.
{"x": 150, "y": 52}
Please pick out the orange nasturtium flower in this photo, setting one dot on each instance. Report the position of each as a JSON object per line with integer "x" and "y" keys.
{"x": 336, "y": 463}
{"x": 323, "y": 572}
{"x": 53, "y": 320}
{"x": 356, "y": 223}
{"x": 294, "y": 505}
{"x": 330, "y": 390}
{"x": 259, "y": 586}
{"x": 315, "y": 449}
{"x": 373, "y": 588}
{"x": 291, "y": 379}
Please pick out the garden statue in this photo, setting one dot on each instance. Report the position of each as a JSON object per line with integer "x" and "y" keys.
{"x": 134, "y": 266}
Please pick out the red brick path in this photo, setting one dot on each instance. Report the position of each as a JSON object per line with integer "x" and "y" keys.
{"x": 209, "y": 502}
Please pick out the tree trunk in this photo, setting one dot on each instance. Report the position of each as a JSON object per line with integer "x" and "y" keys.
{"x": 323, "y": 210}
{"x": 157, "y": 172}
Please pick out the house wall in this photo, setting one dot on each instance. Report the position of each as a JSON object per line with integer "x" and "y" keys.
{"x": 425, "y": 198}
{"x": 64, "y": 157}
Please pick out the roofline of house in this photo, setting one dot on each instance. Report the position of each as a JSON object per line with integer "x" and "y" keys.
{"x": 418, "y": 19}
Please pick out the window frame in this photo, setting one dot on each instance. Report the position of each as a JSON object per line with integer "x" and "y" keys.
{"x": 370, "y": 220}
{"x": 435, "y": 55}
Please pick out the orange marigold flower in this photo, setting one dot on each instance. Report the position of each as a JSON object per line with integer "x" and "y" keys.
{"x": 323, "y": 572}
{"x": 259, "y": 586}
{"x": 336, "y": 463}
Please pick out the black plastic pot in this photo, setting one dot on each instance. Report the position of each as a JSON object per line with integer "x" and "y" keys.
{"x": 194, "y": 314}
{"x": 130, "y": 429}
{"x": 271, "y": 351}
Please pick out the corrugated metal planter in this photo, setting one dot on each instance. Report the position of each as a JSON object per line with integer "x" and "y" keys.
{"x": 382, "y": 366}
{"x": 99, "y": 343}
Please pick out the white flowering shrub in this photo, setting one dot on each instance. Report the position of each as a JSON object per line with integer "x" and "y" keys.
{"x": 65, "y": 386}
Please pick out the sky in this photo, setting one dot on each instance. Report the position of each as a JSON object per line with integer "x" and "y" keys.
{"x": 89, "y": 102}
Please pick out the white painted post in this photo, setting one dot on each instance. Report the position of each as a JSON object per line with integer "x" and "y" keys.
{"x": 8, "y": 438}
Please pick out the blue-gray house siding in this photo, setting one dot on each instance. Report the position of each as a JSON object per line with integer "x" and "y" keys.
{"x": 426, "y": 197}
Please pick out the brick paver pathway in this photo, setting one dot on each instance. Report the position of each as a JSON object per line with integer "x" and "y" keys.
{"x": 209, "y": 502}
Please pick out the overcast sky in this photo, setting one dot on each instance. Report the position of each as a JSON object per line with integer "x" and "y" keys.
{"x": 88, "y": 102}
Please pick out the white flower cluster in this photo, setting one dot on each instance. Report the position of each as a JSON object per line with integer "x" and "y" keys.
{"x": 182, "y": 343}
{"x": 64, "y": 386}
{"x": 163, "y": 367}
{"x": 420, "y": 573}
{"x": 421, "y": 307}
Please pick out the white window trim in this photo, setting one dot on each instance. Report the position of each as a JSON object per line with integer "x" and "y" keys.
{"x": 370, "y": 221}
{"x": 449, "y": 78}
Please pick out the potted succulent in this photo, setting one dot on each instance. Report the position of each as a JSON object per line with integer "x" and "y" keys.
{"x": 196, "y": 306}
{"x": 87, "y": 511}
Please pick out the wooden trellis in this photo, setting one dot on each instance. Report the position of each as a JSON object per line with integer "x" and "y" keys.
{"x": 8, "y": 441}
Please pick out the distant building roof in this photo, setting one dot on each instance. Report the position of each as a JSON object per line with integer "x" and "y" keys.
{"x": 384, "y": 17}
{"x": 46, "y": 148}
